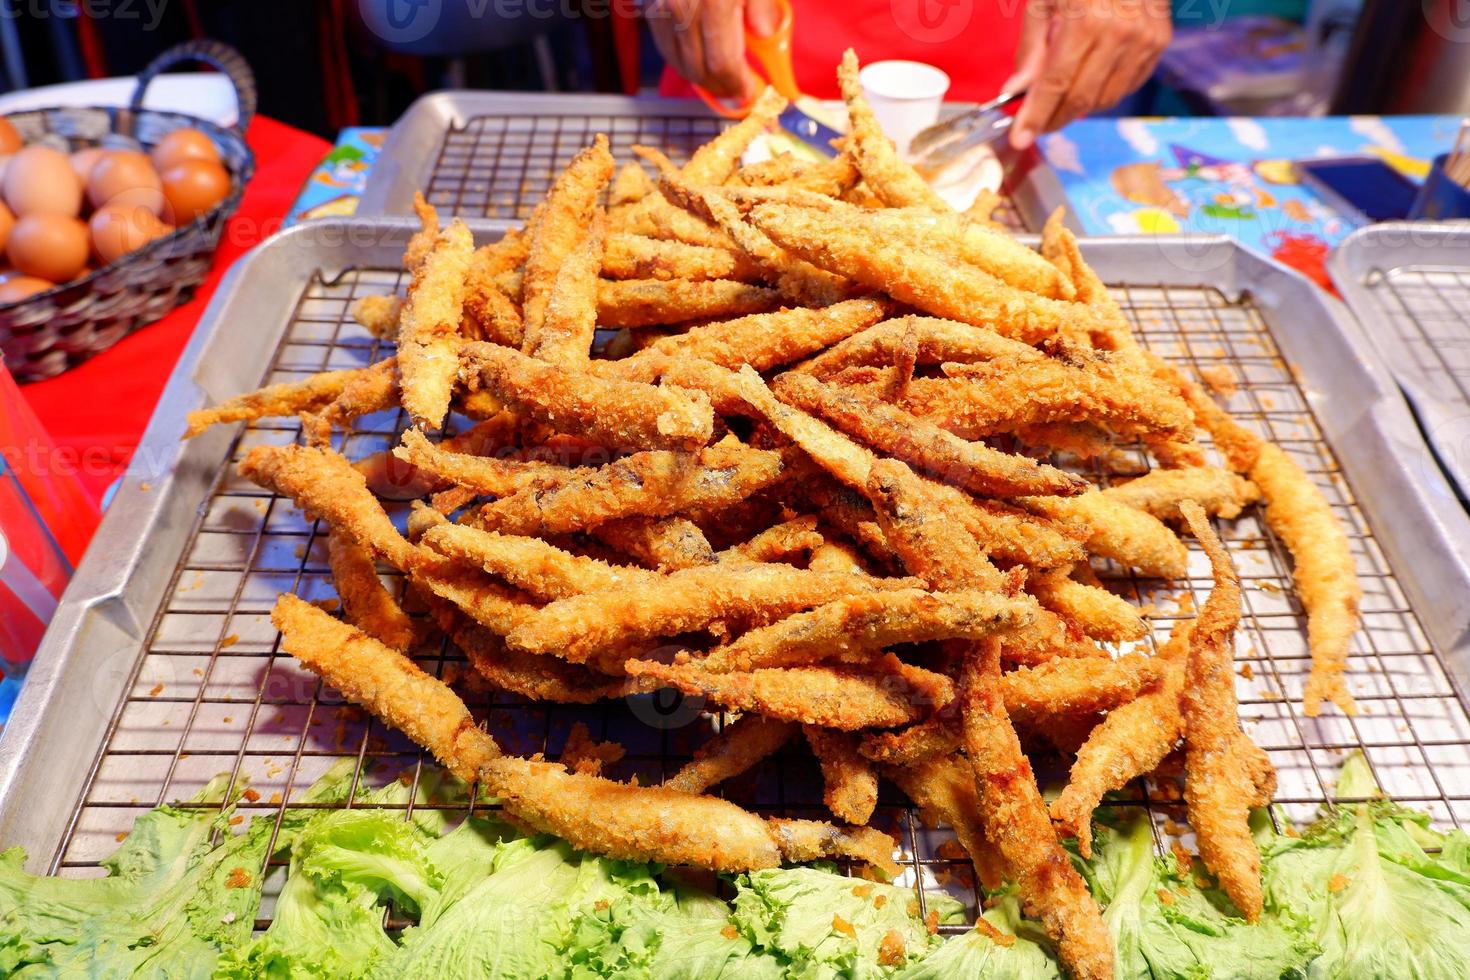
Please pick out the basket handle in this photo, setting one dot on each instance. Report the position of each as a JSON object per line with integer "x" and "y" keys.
{"x": 218, "y": 55}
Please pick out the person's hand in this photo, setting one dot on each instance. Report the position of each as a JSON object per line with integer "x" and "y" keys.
{"x": 704, "y": 40}
{"x": 1078, "y": 56}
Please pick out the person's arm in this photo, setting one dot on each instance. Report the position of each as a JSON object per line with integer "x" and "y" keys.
{"x": 704, "y": 40}
{"x": 1078, "y": 56}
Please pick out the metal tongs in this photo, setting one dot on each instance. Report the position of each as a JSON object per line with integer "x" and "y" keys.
{"x": 934, "y": 148}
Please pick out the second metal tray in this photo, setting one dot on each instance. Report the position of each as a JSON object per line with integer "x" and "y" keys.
{"x": 1409, "y": 285}
{"x": 493, "y": 154}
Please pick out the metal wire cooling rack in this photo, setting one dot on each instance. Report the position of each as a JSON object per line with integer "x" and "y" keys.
{"x": 499, "y": 166}
{"x": 212, "y": 692}
{"x": 1426, "y": 308}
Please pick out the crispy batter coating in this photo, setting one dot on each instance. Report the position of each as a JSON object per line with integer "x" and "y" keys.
{"x": 615, "y": 413}
{"x": 1218, "y": 788}
{"x": 630, "y": 184}
{"x": 651, "y": 823}
{"x": 939, "y": 341}
{"x": 325, "y": 485}
{"x": 983, "y": 208}
{"x": 428, "y": 331}
{"x": 1074, "y": 688}
{"x": 738, "y": 746}
{"x": 385, "y": 682}
{"x": 1130, "y": 742}
{"x": 943, "y": 787}
{"x": 530, "y": 564}
{"x": 494, "y": 314}
{"x": 856, "y": 627}
{"x": 535, "y": 677}
{"x": 916, "y": 270}
{"x": 569, "y": 323}
{"x": 1100, "y": 614}
{"x": 288, "y": 398}
{"x": 1119, "y": 532}
{"x": 491, "y": 475}
{"x": 1016, "y": 822}
{"x": 657, "y": 483}
{"x": 682, "y": 601}
{"x": 849, "y": 782}
{"x": 883, "y": 695}
{"x": 422, "y": 241}
{"x": 378, "y": 315}
{"x": 373, "y": 389}
{"x": 665, "y": 543}
{"x": 1325, "y": 573}
{"x": 584, "y": 755}
{"x": 640, "y": 257}
{"x": 971, "y": 465}
{"x": 717, "y": 160}
{"x": 897, "y": 183}
{"x": 1159, "y": 492}
{"x": 366, "y": 601}
{"x": 1005, "y": 394}
{"x": 560, "y": 225}
{"x": 775, "y": 543}
{"x": 494, "y": 606}
{"x": 933, "y": 543}
{"x": 651, "y": 302}
{"x": 914, "y": 744}
{"x": 836, "y": 555}
{"x": 395, "y": 478}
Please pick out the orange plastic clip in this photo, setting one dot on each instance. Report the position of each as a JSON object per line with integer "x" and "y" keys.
{"x": 773, "y": 54}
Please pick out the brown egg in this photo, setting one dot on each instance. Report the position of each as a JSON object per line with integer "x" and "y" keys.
{"x": 194, "y": 187}
{"x": 48, "y": 246}
{"x": 7, "y": 222}
{"x": 119, "y": 172}
{"x": 40, "y": 180}
{"x": 10, "y": 140}
{"x": 181, "y": 145}
{"x": 118, "y": 229}
{"x": 17, "y": 288}
{"x": 82, "y": 162}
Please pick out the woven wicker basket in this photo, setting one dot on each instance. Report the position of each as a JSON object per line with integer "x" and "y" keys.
{"x": 43, "y": 335}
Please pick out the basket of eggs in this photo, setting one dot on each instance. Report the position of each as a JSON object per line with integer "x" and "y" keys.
{"x": 109, "y": 216}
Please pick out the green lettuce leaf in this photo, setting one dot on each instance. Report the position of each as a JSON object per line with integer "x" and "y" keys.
{"x": 828, "y": 925}
{"x": 173, "y": 899}
{"x": 1166, "y": 926}
{"x": 1021, "y": 952}
{"x": 1379, "y": 905}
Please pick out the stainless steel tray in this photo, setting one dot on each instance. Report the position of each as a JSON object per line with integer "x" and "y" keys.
{"x": 493, "y": 154}
{"x": 1409, "y": 285}
{"x": 161, "y": 668}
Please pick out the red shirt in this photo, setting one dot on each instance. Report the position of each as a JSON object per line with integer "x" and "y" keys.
{"x": 973, "y": 41}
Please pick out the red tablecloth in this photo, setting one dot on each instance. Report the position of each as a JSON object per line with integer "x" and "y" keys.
{"x": 98, "y": 411}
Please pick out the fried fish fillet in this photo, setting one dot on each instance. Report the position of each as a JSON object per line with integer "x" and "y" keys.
{"x": 619, "y": 414}
{"x": 569, "y": 323}
{"x": 325, "y": 485}
{"x": 428, "y": 330}
{"x": 1099, "y": 613}
{"x": 849, "y": 782}
{"x": 560, "y": 225}
{"x": 1159, "y": 492}
{"x": 883, "y": 694}
{"x": 365, "y": 599}
{"x": 738, "y": 746}
{"x": 1218, "y": 788}
{"x": 897, "y": 183}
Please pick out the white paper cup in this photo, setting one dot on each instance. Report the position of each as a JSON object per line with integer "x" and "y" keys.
{"x": 905, "y": 96}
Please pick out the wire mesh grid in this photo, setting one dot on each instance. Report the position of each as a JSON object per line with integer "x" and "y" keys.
{"x": 1428, "y": 309}
{"x": 212, "y": 692}
{"x": 499, "y": 166}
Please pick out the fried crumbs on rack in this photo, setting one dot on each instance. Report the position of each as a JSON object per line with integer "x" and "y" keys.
{"x": 798, "y": 442}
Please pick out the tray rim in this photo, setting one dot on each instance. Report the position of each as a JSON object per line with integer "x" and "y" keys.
{"x": 1425, "y": 534}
